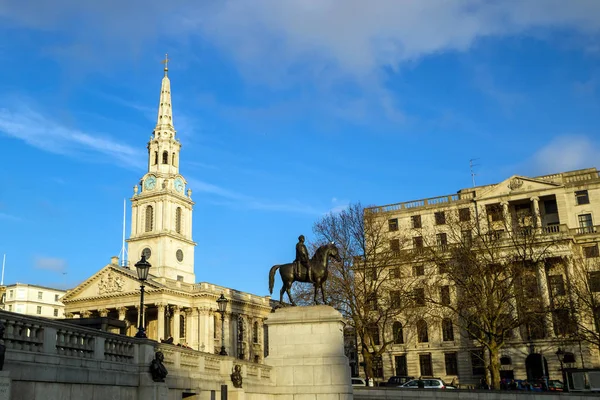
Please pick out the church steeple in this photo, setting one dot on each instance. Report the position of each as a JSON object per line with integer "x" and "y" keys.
{"x": 165, "y": 110}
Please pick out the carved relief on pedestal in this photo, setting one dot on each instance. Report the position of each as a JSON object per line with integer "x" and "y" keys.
{"x": 110, "y": 283}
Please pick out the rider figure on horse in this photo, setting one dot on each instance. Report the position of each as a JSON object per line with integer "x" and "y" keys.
{"x": 302, "y": 258}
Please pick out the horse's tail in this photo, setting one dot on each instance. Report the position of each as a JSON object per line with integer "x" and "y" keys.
{"x": 274, "y": 269}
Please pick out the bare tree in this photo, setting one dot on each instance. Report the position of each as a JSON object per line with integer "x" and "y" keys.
{"x": 368, "y": 286}
{"x": 486, "y": 283}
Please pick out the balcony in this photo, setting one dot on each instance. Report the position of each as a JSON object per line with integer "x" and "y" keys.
{"x": 431, "y": 201}
{"x": 586, "y": 230}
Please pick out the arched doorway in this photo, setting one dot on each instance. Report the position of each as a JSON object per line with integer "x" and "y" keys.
{"x": 536, "y": 366}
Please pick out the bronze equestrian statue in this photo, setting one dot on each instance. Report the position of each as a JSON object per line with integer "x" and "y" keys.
{"x": 299, "y": 270}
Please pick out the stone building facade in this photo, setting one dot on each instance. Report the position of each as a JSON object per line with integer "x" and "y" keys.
{"x": 37, "y": 300}
{"x": 562, "y": 208}
{"x": 161, "y": 229}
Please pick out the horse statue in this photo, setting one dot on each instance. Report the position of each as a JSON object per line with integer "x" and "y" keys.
{"x": 318, "y": 262}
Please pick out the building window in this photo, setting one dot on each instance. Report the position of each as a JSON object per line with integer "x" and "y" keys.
{"x": 425, "y": 364}
{"x": 416, "y": 221}
{"x": 149, "y": 219}
{"x": 505, "y": 360}
{"x": 395, "y": 245}
{"x": 39, "y": 310}
{"x": 173, "y": 160}
{"x": 591, "y": 251}
{"x": 155, "y": 157}
{"x": 563, "y": 324}
{"x": 178, "y": 220}
{"x": 477, "y": 362}
{"x": 422, "y": 331}
{"x": 56, "y": 312}
{"x": 467, "y": 237}
{"x": 56, "y": 297}
{"x": 419, "y": 296}
{"x": 550, "y": 207}
{"x": 581, "y": 197}
{"x": 40, "y": 295}
{"x": 374, "y": 334}
{"x": 398, "y": 332}
{"x": 535, "y": 327}
{"x": 255, "y": 332}
{"x": 445, "y": 295}
{"x": 530, "y": 287}
{"x": 393, "y": 224}
{"x": 440, "y": 218}
{"x": 451, "y": 363}
{"x": 447, "y": 330}
{"x": 419, "y": 270}
{"x": 394, "y": 273}
{"x": 594, "y": 279}
{"x": 11, "y": 294}
{"x": 586, "y": 225}
{"x": 401, "y": 365}
{"x": 557, "y": 285}
{"x": 372, "y": 302}
{"x": 442, "y": 240}
{"x": 377, "y": 367}
{"x": 395, "y": 299}
{"x": 10, "y": 307}
{"x": 418, "y": 243}
{"x": 179, "y": 278}
{"x": 494, "y": 212}
{"x": 165, "y": 159}
{"x": 464, "y": 214}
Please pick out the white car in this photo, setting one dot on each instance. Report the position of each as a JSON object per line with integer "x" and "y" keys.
{"x": 358, "y": 382}
{"x": 430, "y": 383}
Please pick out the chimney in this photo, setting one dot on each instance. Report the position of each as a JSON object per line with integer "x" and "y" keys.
{"x": 114, "y": 260}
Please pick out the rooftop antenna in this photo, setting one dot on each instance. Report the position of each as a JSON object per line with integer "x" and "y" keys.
{"x": 3, "y": 262}
{"x": 471, "y": 165}
{"x": 123, "y": 253}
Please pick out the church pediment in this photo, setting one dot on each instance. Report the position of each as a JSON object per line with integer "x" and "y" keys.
{"x": 516, "y": 184}
{"x": 109, "y": 281}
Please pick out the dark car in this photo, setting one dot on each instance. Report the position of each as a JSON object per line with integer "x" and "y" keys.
{"x": 395, "y": 381}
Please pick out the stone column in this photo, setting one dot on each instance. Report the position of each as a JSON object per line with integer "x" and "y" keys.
{"x": 542, "y": 280}
{"x": 204, "y": 344}
{"x": 189, "y": 312}
{"x": 571, "y": 281}
{"x": 507, "y": 218}
{"x": 103, "y": 312}
{"x": 176, "y": 314}
{"x": 194, "y": 334}
{"x": 227, "y": 327}
{"x": 536, "y": 213}
{"x": 122, "y": 313}
{"x": 160, "y": 323}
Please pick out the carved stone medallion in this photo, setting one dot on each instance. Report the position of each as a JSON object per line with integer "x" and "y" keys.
{"x": 515, "y": 183}
{"x": 110, "y": 283}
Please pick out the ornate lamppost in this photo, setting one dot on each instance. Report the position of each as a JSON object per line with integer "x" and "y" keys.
{"x": 222, "y": 304}
{"x": 142, "y": 268}
{"x": 560, "y": 354}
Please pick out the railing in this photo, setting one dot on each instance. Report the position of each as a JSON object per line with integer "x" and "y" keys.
{"x": 432, "y": 201}
{"x": 586, "y": 230}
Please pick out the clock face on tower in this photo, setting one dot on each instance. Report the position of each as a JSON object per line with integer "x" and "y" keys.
{"x": 150, "y": 183}
{"x": 146, "y": 252}
{"x": 179, "y": 255}
{"x": 179, "y": 184}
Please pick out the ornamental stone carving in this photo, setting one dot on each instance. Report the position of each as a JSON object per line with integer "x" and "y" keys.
{"x": 110, "y": 283}
{"x": 515, "y": 183}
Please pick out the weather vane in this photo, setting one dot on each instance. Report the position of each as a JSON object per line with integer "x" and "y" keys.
{"x": 166, "y": 62}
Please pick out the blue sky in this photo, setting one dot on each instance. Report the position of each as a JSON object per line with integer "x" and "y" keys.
{"x": 285, "y": 110}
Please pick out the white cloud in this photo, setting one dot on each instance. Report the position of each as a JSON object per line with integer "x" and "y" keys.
{"x": 39, "y": 131}
{"x": 51, "y": 264}
{"x": 566, "y": 153}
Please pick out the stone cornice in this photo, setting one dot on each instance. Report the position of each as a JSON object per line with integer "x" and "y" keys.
{"x": 152, "y": 235}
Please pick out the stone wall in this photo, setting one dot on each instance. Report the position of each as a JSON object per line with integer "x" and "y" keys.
{"x": 419, "y": 394}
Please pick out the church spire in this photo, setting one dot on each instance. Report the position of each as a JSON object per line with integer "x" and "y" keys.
{"x": 165, "y": 111}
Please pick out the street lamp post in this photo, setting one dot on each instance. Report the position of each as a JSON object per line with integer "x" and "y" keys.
{"x": 142, "y": 268}
{"x": 560, "y": 354}
{"x": 222, "y": 303}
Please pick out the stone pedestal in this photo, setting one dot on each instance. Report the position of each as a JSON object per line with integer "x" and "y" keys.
{"x": 306, "y": 349}
{"x": 5, "y": 384}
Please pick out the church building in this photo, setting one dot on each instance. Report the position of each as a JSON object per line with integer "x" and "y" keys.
{"x": 161, "y": 230}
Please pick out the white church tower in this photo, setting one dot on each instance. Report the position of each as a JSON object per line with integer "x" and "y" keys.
{"x": 161, "y": 208}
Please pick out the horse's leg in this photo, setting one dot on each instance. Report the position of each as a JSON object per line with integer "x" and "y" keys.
{"x": 316, "y": 286}
{"x": 281, "y": 293}
{"x": 287, "y": 290}
{"x": 323, "y": 292}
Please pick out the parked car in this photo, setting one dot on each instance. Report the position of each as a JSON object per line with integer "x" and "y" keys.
{"x": 361, "y": 382}
{"x": 395, "y": 381}
{"x": 555, "y": 386}
{"x": 429, "y": 383}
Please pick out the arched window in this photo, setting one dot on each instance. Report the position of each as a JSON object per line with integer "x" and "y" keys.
{"x": 178, "y": 220}
{"x": 155, "y": 157}
{"x": 422, "y": 333}
{"x": 165, "y": 157}
{"x": 173, "y": 160}
{"x": 447, "y": 330}
{"x": 181, "y": 326}
{"x": 149, "y": 218}
{"x": 374, "y": 333}
{"x": 255, "y": 332}
{"x": 398, "y": 333}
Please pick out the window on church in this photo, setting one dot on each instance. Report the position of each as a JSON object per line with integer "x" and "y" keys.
{"x": 255, "y": 332}
{"x": 178, "y": 220}
{"x": 165, "y": 157}
{"x": 149, "y": 218}
{"x": 155, "y": 157}
{"x": 173, "y": 160}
